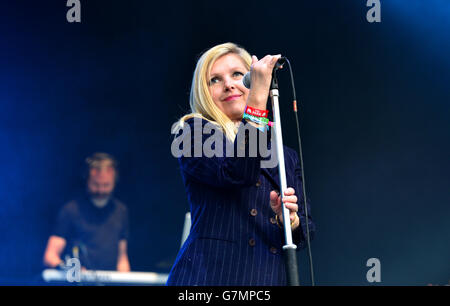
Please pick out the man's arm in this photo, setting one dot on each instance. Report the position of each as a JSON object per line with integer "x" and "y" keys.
{"x": 123, "y": 264}
{"x": 55, "y": 246}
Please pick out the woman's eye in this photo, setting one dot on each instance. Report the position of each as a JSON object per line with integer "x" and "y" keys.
{"x": 214, "y": 80}
{"x": 237, "y": 73}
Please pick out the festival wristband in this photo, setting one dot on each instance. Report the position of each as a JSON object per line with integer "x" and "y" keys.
{"x": 263, "y": 121}
{"x": 256, "y": 112}
{"x": 259, "y": 120}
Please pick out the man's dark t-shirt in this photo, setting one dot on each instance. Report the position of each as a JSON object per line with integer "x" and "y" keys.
{"x": 95, "y": 231}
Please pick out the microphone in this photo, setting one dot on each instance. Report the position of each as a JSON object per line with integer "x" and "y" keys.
{"x": 246, "y": 80}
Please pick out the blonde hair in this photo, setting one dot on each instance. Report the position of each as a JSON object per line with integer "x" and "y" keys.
{"x": 200, "y": 100}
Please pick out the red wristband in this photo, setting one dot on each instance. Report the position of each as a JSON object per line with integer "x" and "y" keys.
{"x": 256, "y": 112}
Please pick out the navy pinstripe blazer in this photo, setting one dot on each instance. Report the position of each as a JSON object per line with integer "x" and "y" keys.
{"x": 234, "y": 239}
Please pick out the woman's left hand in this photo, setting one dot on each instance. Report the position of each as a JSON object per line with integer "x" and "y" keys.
{"x": 290, "y": 202}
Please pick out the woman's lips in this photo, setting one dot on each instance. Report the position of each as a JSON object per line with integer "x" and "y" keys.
{"x": 231, "y": 98}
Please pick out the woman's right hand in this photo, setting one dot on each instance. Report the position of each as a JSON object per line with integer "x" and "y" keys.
{"x": 261, "y": 77}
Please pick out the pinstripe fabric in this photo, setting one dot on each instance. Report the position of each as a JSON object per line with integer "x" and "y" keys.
{"x": 229, "y": 244}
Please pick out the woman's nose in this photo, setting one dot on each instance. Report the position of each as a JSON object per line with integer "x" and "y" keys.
{"x": 229, "y": 84}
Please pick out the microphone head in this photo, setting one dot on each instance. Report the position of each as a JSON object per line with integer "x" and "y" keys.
{"x": 246, "y": 80}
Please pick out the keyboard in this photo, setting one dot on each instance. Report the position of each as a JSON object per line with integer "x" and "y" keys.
{"x": 105, "y": 277}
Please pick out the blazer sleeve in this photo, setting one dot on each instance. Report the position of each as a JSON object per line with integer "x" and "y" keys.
{"x": 299, "y": 234}
{"x": 224, "y": 170}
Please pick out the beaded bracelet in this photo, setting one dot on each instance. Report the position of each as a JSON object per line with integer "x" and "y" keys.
{"x": 281, "y": 226}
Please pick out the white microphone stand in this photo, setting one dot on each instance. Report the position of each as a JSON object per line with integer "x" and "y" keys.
{"x": 290, "y": 256}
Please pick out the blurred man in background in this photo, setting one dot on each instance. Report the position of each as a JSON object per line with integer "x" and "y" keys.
{"x": 93, "y": 227}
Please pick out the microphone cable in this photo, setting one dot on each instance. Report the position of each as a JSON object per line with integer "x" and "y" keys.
{"x": 308, "y": 240}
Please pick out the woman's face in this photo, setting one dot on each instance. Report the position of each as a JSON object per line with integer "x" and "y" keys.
{"x": 225, "y": 85}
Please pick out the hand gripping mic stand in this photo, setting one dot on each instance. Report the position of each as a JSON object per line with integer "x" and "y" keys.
{"x": 290, "y": 256}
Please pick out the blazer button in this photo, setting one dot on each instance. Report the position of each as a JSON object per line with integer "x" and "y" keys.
{"x": 273, "y": 250}
{"x": 258, "y": 183}
{"x": 253, "y": 212}
{"x": 252, "y": 242}
{"x": 273, "y": 221}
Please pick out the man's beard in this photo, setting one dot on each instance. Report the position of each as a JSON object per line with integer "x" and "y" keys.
{"x": 100, "y": 199}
